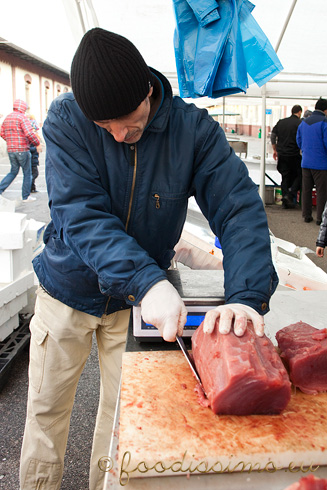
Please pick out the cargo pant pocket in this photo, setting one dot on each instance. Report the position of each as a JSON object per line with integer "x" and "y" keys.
{"x": 42, "y": 475}
{"x": 38, "y": 350}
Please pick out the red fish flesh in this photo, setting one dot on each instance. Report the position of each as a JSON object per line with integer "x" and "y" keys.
{"x": 240, "y": 375}
{"x": 304, "y": 349}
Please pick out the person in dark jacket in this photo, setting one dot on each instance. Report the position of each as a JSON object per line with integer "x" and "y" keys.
{"x": 34, "y": 155}
{"x": 123, "y": 157}
{"x": 307, "y": 114}
{"x": 288, "y": 156}
{"x": 312, "y": 139}
{"x": 34, "y": 164}
{"x": 322, "y": 235}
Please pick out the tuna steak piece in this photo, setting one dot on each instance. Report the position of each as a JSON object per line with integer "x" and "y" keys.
{"x": 304, "y": 349}
{"x": 309, "y": 483}
{"x": 240, "y": 375}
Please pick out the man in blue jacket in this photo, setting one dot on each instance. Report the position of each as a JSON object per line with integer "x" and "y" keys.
{"x": 123, "y": 157}
{"x": 312, "y": 139}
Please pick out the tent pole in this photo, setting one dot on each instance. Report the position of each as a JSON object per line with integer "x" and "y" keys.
{"x": 262, "y": 186}
{"x": 93, "y": 13}
{"x": 224, "y": 114}
{"x": 285, "y": 25}
{"x": 80, "y": 14}
{"x": 263, "y": 116}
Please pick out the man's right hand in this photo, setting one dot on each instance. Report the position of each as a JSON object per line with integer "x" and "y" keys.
{"x": 163, "y": 307}
{"x": 320, "y": 251}
{"x": 236, "y": 313}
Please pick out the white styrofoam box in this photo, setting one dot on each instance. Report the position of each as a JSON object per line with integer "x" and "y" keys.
{"x": 34, "y": 231}
{"x": 8, "y": 327}
{"x": 13, "y": 263}
{"x": 37, "y": 250}
{"x": 13, "y": 307}
{"x": 12, "y": 222}
{"x": 6, "y": 205}
{"x": 31, "y": 297}
{"x": 12, "y": 226}
{"x": 9, "y": 291}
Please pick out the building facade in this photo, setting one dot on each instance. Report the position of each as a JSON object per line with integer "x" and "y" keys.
{"x": 27, "y": 77}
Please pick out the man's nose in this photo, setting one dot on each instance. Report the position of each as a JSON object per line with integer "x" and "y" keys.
{"x": 119, "y": 133}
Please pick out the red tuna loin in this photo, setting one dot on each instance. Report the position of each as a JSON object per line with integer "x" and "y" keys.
{"x": 309, "y": 483}
{"x": 240, "y": 375}
{"x": 304, "y": 348}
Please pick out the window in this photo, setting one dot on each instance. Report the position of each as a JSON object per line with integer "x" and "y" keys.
{"x": 28, "y": 81}
{"x": 46, "y": 94}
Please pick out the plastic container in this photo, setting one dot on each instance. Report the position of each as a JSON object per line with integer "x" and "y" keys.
{"x": 269, "y": 194}
{"x": 217, "y": 242}
{"x": 278, "y": 196}
{"x": 314, "y": 197}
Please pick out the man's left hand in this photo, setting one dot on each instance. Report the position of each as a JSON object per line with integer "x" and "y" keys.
{"x": 235, "y": 311}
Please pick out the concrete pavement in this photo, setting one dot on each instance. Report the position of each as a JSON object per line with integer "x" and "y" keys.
{"x": 13, "y": 397}
{"x": 287, "y": 224}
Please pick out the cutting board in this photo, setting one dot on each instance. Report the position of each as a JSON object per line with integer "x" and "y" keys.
{"x": 163, "y": 430}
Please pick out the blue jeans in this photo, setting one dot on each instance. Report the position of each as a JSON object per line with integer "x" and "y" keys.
{"x": 19, "y": 159}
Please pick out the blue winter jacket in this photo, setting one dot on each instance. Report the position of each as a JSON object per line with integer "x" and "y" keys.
{"x": 118, "y": 210}
{"x": 311, "y": 138}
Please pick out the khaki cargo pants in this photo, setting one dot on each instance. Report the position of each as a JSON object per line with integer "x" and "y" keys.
{"x": 61, "y": 340}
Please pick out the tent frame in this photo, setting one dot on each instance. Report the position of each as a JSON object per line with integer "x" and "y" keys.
{"x": 262, "y": 186}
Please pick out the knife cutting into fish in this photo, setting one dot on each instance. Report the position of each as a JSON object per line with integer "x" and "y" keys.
{"x": 190, "y": 361}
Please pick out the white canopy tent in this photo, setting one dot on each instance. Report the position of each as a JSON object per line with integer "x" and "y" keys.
{"x": 293, "y": 84}
{"x": 296, "y": 28}
{"x": 52, "y": 30}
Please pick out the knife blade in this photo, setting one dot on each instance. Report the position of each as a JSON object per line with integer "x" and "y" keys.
{"x": 190, "y": 361}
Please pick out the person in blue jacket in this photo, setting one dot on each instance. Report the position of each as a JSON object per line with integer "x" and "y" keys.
{"x": 311, "y": 138}
{"x": 123, "y": 157}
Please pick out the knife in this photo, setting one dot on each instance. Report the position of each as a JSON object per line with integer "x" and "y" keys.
{"x": 190, "y": 361}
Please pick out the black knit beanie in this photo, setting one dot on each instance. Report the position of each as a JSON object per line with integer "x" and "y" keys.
{"x": 109, "y": 77}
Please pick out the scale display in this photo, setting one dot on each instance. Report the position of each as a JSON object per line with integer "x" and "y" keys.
{"x": 201, "y": 291}
{"x": 146, "y": 331}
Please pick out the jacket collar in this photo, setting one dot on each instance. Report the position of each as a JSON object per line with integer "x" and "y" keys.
{"x": 318, "y": 112}
{"x": 160, "y": 119}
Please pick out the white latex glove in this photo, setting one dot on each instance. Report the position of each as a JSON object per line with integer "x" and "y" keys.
{"x": 163, "y": 307}
{"x": 226, "y": 313}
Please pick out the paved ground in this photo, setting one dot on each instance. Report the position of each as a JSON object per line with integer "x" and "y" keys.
{"x": 286, "y": 224}
{"x": 14, "y": 394}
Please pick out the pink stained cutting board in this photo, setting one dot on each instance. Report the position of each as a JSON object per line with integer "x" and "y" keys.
{"x": 163, "y": 430}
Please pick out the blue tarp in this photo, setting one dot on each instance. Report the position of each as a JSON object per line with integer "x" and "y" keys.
{"x": 220, "y": 49}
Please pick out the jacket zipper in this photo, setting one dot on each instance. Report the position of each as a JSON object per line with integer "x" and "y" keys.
{"x": 133, "y": 148}
{"x": 133, "y": 187}
{"x": 157, "y": 198}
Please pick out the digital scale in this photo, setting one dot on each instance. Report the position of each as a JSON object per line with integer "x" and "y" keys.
{"x": 201, "y": 290}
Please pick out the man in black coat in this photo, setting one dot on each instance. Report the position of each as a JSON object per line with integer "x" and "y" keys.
{"x": 288, "y": 156}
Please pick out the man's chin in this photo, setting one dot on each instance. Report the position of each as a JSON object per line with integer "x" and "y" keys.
{"x": 133, "y": 139}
